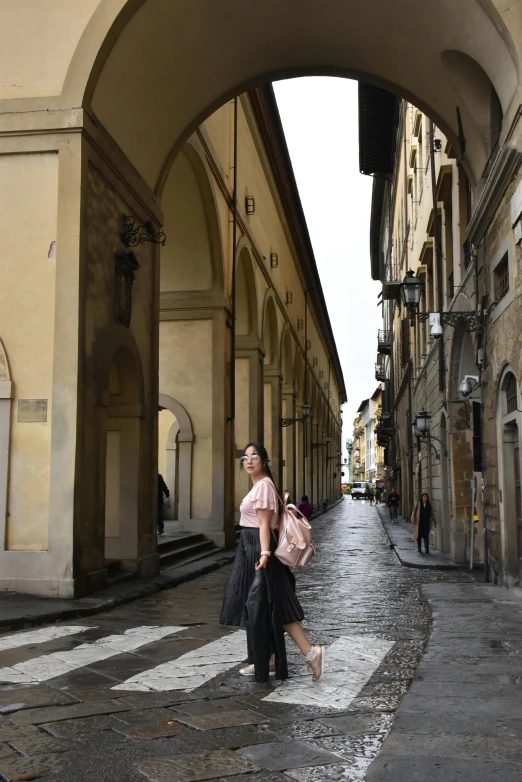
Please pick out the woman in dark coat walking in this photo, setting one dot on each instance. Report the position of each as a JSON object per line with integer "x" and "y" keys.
{"x": 421, "y": 518}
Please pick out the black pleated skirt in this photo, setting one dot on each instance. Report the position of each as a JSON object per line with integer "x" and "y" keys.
{"x": 242, "y": 576}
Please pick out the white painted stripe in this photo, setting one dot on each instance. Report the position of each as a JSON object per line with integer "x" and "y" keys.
{"x": 350, "y": 663}
{"x": 49, "y": 666}
{"x": 39, "y": 636}
{"x": 193, "y": 669}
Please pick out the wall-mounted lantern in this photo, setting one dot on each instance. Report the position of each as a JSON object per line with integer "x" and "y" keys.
{"x": 274, "y": 260}
{"x": 289, "y": 297}
{"x": 250, "y": 205}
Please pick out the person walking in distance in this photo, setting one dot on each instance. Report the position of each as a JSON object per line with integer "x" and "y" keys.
{"x": 305, "y": 507}
{"x": 162, "y": 490}
{"x": 255, "y": 551}
{"x": 393, "y": 504}
{"x": 371, "y": 495}
{"x": 421, "y": 518}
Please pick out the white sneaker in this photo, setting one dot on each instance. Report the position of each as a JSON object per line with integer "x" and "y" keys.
{"x": 250, "y": 670}
{"x": 316, "y": 662}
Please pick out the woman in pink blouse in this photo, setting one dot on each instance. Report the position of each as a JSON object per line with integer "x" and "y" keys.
{"x": 255, "y": 551}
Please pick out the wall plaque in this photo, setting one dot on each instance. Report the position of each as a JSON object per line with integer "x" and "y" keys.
{"x": 32, "y": 411}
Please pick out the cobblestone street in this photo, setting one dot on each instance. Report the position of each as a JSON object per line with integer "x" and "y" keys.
{"x": 151, "y": 691}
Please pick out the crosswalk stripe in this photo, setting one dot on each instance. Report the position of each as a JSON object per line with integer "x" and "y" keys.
{"x": 39, "y": 636}
{"x": 192, "y": 669}
{"x": 350, "y": 664}
{"x": 49, "y": 666}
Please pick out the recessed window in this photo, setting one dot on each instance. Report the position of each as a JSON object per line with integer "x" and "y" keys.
{"x": 501, "y": 278}
{"x": 511, "y": 394}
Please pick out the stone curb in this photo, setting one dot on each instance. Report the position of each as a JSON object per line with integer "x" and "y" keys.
{"x": 109, "y": 598}
{"x": 399, "y": 535}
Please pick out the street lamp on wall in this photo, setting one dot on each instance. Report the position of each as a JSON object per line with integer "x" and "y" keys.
{"x": 411, "y": 289}
{"x": 307, "y": 411}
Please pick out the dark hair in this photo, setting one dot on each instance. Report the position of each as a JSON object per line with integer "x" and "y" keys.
{"x": 261, "y": 450}
{"x": 304, "y": 498}
{"x": 427, "y": 495}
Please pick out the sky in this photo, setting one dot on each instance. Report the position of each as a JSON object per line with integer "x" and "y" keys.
{"x": 319, "y": 118}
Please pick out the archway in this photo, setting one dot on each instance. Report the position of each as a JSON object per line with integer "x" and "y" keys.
{"x": 510, "y": 472}
{"x": 193, "y": 340}
{"x": 180, "y": 44}
{"x": 175, "y": 443}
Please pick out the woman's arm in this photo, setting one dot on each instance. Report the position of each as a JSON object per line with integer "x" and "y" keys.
{"x": 264, "y": 517}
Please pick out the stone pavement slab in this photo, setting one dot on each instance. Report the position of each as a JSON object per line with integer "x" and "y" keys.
{"x": 288, "y": 754}
{"x": 405, "y": 547}
{"x": 456, "y": 723}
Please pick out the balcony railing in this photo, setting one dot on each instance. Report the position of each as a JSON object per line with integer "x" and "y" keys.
{"x": 391, "y": 285}
{"x": 380, "y": 369}
{"x": 384, "y": 341}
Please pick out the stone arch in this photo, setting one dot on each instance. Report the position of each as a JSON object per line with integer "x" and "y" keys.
{"x": 179, "y": 459}
{"x": 113, "y": 343}
{"x": 478, "y": 100}
{"x": 508, "y": 560}
{"x": 356, "y": 40}
{"x": 192, "y": 258}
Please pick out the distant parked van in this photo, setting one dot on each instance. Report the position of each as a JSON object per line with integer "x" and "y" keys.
{"x": 360, "y": 490}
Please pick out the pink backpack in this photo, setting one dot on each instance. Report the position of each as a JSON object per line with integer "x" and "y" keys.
{"x": 295, "y": 547}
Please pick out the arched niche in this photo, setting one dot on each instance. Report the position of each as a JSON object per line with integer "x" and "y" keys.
{"x": 178, "y": 445}
{"x": 167, "y": 52}
{"x": 191, "y": 259}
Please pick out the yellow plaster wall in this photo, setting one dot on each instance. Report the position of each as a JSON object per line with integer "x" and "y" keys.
{"x": 185, "y": 372}
{"x": 186, "y": 263}
{"x": 28, "y": 209}
{"x": 34, "y": 64}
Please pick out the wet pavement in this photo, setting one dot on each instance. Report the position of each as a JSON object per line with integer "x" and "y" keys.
{"x": 151, "y": 691}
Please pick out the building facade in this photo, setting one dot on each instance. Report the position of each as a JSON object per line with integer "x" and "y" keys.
{"x": 463, "y": 245}
{"x": 197, "y": 342}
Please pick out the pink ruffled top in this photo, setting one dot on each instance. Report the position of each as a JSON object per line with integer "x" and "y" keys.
{"x": 262, "y": 496}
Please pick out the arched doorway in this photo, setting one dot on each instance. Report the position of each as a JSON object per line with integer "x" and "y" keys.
{"x": 175, "y": 461}
{"x": 510, "y": 471}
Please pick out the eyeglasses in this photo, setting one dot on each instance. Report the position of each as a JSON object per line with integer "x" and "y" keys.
{"x": 253, "y": 456}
